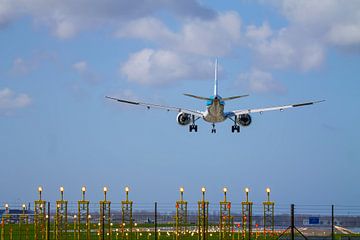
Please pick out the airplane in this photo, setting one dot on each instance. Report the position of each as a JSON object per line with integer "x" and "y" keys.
{"x": 214, "y": 112}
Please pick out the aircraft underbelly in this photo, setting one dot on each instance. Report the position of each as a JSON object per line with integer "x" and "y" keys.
{"x": 215, "y": 113}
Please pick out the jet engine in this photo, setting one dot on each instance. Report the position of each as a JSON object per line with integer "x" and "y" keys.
{"x": 183, "y": 118}
{"x": 244, "y": 120}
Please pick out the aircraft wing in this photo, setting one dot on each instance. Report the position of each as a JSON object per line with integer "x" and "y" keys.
{"x": 167, "y": 108}
{"x": 281, "y": 108}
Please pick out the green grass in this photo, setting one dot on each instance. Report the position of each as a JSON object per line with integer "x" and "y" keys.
{"x": 26, "y": 232}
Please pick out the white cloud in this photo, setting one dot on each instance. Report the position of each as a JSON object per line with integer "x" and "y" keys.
{"x": 313, "y": 27}
{"x": 183, "y": 54}
{"x": 258, "y": 33}
{"x": 215, "y": 37}
{"x": 287, "y": 49}
{"x": 334, "y": 22}
{"x": 21, "y": 67}
{"x": 6, "y": 12}
{"x": 25, "y": 65}
{"x": 260, "y": 81}
{"x": 148, "y": 28}
{"x": 344, "y": 35}
{"x": 150, "y": 66}
{"x": 66, "y": 18}
{"x": 209, "y": 37}
{"x": 85, "y": 72}
{"x": 80, "y": 66}
{"x": 10, "y": 101}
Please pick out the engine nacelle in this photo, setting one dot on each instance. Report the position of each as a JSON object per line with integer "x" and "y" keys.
{"x": 183, "y": 118}
{"x": 244, "y": 120}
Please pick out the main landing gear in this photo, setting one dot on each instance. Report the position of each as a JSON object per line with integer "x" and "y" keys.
{"x": 193, "y": 126}
{"x": 235, "y": 127}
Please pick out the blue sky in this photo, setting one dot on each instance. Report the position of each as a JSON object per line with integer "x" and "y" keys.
{"x": 59, "y": 59}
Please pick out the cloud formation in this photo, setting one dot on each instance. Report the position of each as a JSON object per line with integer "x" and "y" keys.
{"x": 87, "y": 74}
{"x": 208, "y": 37}
{"x": 9, "y": 101}
{"x": 181, "y": 55}
{"x": 154, "y": 67}
{"x": 260, "y": 82}
{"x": 66, "y": 18}
{"x": 313, "y": 27}
{"x": 182, "y": 50}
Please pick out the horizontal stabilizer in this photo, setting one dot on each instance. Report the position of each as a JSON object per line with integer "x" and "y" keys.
{"x": 198, "y": 97}
{"x": 234, "y": 97}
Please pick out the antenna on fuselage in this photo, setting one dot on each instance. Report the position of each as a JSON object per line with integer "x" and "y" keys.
{"x": 216, "y": 85}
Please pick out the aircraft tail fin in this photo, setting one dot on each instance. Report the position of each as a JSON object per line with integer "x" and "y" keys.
{"x": 216, "y": 83}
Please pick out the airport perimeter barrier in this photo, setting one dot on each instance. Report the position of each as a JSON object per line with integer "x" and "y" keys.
{"x": 162, "y": 221}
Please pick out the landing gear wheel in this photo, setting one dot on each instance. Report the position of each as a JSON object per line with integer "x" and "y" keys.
{"x": 193, "y": 127}
{"x": 213, "y": 130}
{"x": 235, "y": 128}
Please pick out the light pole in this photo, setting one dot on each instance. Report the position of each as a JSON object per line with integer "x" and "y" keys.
{"x": 225, "y": 191}
{"x": 40, "y": 189}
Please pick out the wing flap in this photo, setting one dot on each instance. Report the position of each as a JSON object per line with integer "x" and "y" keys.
{"x": 281, "y": 108}
{"x": 158, "y": 106}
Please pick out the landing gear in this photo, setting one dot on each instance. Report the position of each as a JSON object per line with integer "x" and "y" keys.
{"x": 193, "y": 127}
{"x": 213, "y": 130}
{"x": 235, "y": 128}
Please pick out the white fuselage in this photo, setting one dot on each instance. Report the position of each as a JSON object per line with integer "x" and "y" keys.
{"x": 215, "y": 112}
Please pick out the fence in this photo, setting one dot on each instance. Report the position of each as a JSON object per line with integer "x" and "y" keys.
{"x": 164, "y": 221}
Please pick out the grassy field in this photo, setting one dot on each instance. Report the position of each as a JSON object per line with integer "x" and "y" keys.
{"x": 15, "y": 231}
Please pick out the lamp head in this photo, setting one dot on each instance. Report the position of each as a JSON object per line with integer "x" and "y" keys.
{"x": 225, "y": 189}
{"x": 6, "y": 205}
{"x": 247, "y": 190}
{"x": 40, "y": 189}
{"x": 268, "y": 190}
{"x": 181, "y": 189}
{"x": 61, "y": 189}
{"x": 83, "y": 189}
{"x": 127, "y": 189}
{"x": 203, "y": 189}
{"x": 105, "y": 189}
{"x": 23, "y": 206}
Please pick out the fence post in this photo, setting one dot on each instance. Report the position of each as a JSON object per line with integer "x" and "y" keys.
{"x": 332, "y": 223}
{"x": 292, "y": 226}
{"x": 156, "y": 237}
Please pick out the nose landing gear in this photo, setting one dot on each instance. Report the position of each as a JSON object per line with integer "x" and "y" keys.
{"x": 213, "y": 130}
